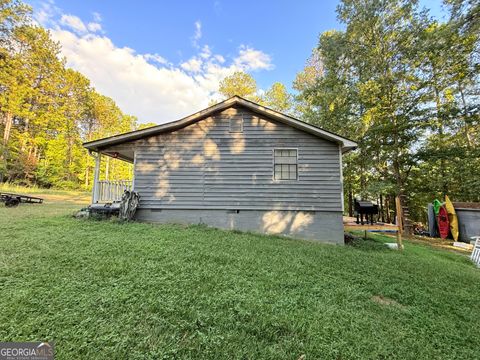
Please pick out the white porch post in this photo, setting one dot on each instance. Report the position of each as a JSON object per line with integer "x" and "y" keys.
{"x": 96, "y": 178}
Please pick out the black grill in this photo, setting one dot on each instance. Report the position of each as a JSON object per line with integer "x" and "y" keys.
{"x": 365, "y": 208}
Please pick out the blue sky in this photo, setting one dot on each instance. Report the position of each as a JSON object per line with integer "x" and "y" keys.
{"x": 163, "y": 59}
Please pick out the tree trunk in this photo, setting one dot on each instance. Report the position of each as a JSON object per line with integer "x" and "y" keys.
{"x": 350, "y": 201}
{"x": 363, "y": 184}
{"x": 443, "y": 175}
{"x": 394, "y": 218}
{"x": 465, "y": 117}
{"x": 8, "y": 120}
{"x": 387, "y": 207}
{"x": 399, "y": 173}
{"x": 8, "y": 123}
{"x": 400, "y": 185}
{"x": 382, "y": 213}
{"x": 88, "y": 167}
{"x": 87, "y": 173}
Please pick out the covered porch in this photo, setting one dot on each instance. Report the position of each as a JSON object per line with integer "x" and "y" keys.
{"x": 107, "y": 188}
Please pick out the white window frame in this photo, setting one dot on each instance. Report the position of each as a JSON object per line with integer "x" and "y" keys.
{"x": 230, "y": 125}
{"x": 273, "y": 164}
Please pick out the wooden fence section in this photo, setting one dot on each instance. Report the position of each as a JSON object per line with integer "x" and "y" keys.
{"x": 476, "y": 252}
{"x": 112, "y": 190}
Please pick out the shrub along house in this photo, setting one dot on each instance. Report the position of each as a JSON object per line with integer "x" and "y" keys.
{"x": 234, "y": 165}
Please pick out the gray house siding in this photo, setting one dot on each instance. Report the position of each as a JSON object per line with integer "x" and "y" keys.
{"x": 229, "y": 177}
{"x": 205, "y": 166}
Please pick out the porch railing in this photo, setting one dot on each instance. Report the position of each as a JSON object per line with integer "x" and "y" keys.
{"x": 112, "y": 190}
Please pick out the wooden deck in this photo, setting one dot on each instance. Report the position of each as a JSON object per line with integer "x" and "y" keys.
{"x": 374, "y": 227}
{"x": 349, "y": 224}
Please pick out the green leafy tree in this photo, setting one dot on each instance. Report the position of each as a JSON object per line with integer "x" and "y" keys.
{"x": 278, "y": 98}
{"x": 239, "y": 83}
{"x": 406, "y": 88}
{"x": 46, "y": 110}
{"x": 244, "y": 85}
{"x": 13, "y": 14}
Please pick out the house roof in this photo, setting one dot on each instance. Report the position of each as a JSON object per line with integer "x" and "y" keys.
{"x": 98, "y": 145}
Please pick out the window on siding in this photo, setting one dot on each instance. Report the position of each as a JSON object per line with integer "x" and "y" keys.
{"x": 285, "y": 164}
{"x": 236, "y": 124}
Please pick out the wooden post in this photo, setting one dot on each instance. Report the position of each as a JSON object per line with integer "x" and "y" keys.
{"x": 133, "y": 170}
{"x": 96, "y": 178}
{"x": 398, "y": 207}
{"x": 350, "y": 202}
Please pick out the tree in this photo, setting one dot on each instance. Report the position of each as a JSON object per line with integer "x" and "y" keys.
{"x": 278, "y": 98}
{"x": 450, "y": 153}
{"x": 32, "y": 77}
{"x": 146, "y": 125}
{"x": 239, "y": 83}
{"x": 327, "y": 92}
{"x": 465, "y": 15}
{"x": 365, "y": 91}
{"x": 244, "y": 85}
{"x": 388, "y": 82}
{"x": 406, "y": 88}
{"x": 46, "y": 110}
{"x": 13, "y": 14}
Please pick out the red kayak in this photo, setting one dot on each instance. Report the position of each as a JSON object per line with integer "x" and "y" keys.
{"x": 443, "y": 223}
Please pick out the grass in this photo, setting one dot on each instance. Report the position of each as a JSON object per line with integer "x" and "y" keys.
{"x": 107, "y": 290}
{"x": 59, "y": 197}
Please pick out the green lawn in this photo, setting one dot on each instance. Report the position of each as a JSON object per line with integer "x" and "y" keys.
{"x": 106, "y": 290}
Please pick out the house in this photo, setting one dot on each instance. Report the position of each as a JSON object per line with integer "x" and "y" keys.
{"x": 234, "y": 165}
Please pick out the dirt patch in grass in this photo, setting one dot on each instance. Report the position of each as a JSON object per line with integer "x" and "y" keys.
{"x": 81, "y": 199}
{"x": 50, "y": 195}
{"x": 383, "y": 300}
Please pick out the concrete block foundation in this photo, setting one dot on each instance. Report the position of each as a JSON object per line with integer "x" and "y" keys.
{"x": 322, "y": 226}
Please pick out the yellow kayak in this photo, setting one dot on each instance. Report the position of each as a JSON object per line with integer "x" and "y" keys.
{"x": 452, "y": 217}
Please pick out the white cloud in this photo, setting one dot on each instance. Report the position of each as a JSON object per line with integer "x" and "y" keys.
{"x": 198, "y": 33}
{"x": 219, "y": 58}
{"x": 206, "y": 52}
{"x": 155, "y": 58}
{"x": 251, "y": 59}
{"x": 140, "y": 88}
{"x": 42, "y": 15}
{"x": 46, "y": 13}
{"x": 192, "y": 65}
{"x": 94, "y": 27}
{"x": 97, "y": 17}
{"x": 74, "y": 23}
{"x": 148, "y": 85}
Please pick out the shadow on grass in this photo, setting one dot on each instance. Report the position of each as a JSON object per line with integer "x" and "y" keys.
{"x": 369, "y": 244}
